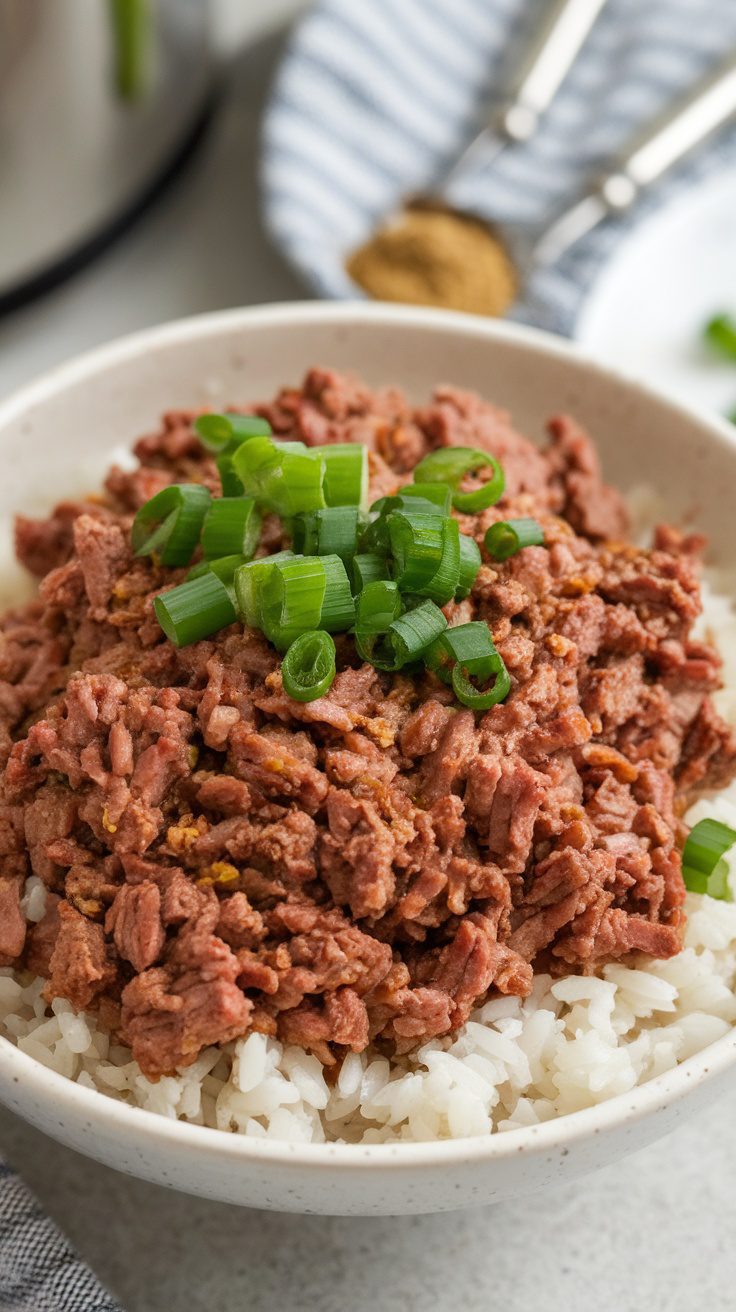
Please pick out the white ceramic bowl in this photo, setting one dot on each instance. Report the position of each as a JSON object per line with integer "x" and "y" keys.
{"x": 56, "y": 437}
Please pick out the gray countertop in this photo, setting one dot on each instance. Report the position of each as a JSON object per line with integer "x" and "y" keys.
{"x": 655, "y": 1231}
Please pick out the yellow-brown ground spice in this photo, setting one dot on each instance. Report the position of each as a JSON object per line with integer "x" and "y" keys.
{"x": 436, "y": 257}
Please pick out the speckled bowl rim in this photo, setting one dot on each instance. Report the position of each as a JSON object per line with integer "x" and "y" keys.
{"x": 627, "y": 1108}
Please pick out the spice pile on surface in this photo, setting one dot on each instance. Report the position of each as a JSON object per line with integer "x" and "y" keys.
{"x": 435, "y": 257}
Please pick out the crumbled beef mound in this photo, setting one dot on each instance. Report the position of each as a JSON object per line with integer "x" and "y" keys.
{"x": 370, "y": 865}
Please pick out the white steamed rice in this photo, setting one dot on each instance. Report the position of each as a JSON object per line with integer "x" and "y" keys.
{"x": 575, "y": 1042}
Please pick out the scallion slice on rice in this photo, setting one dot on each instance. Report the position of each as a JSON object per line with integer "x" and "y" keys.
{"x": 703, "y": 867}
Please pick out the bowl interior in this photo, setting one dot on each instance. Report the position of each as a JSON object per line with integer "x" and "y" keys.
{"x": 57, "y": 439}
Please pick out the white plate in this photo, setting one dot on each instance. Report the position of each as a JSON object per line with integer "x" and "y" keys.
{"x": 646, "y": 311}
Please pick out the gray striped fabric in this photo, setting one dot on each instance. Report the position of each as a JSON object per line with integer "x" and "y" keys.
{"x": 375, "y": 97}
{"x": 39, "y": 1271}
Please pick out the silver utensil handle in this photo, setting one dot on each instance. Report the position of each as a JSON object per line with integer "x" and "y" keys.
{"x": 673, "y": 136}
{"x": 544, "y": 66}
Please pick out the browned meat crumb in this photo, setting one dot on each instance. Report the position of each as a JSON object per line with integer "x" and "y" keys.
{"x": 369, "y": 865}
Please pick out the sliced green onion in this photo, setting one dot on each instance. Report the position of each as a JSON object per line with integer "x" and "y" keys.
{"x": 216, "y": 431}
{"x": 416, "y": 545}
{"x": 232, "y": 525}
{"x": 244, "y": 427}
{"x": 287, "y": 595}
{"x": 469, "y": 644}
{"x": 426, "y": 552}
{"x": 134, "y": 42}
{"x": 703, "y": 869}
{"x": 292, "y": 593}
{"x": 486, "y": 495}
{"x": 720, "y": 332}
{"x": 373, "y": 536}
{"x": 284, "y": 476}
{"x": 230, "y": 481}
{"x": 719, "y": 883}
{"x": 405, "y": 640}
{"x": 367, "y": 567}
{"x": 376, "y": 607}
{"x": 464, "y": 652}
{"x": 258, "y": 460}
{"x": 418, "y": 505}
{"x": 308, "y": 668}
{"x": 195, "y": 609}
{"x": 305, "y": 534}
{"x": 444, "y": 582}
{"x": 299, "y": 486}
{"x": 450, "y": 465}
{"x": 470, "y": 563}
{"x": 508, "y": 536}
{"x": 476, "y": 699}
{"x": 346, "y": 474}
{"x": 248, "y": 581}
{"x": 338, "y": 607}
{"x": 440, "y": 494}
{"x": 170, "y": 523}
{"x": 224, "y": 567}
{"x": 333, "y": 531}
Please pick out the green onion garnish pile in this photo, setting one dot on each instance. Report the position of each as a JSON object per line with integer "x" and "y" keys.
{"x": 381, "y": 574}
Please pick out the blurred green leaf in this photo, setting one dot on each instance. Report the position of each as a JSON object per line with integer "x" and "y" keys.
{"x": 720, "y": 333}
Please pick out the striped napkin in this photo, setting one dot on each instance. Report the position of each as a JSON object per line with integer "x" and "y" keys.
{"x": 39, "y": 1271}
{"x": 373, "y": 100}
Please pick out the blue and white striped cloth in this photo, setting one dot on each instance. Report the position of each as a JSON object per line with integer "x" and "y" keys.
{"x": 375, "y": 97}
{"x": 39, "y": 1271}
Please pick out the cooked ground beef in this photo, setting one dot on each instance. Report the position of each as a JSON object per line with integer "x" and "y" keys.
{"x": 369, "y": 865}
